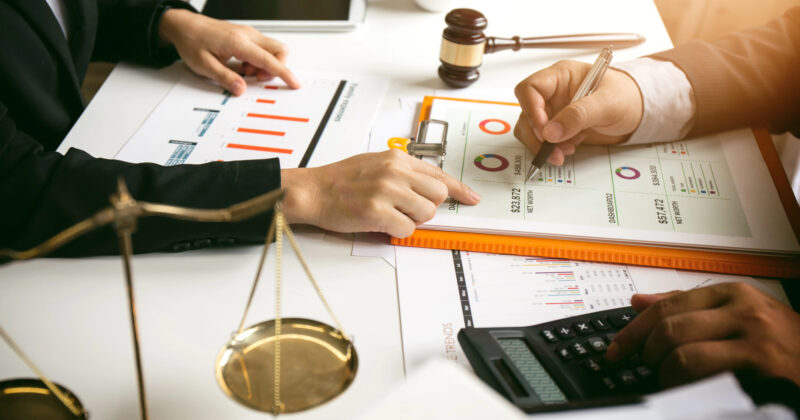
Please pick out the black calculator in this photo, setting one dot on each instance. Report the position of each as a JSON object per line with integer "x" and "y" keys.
{"x": 559, "y": 363}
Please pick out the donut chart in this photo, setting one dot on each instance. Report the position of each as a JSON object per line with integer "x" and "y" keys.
{"x": 490, "y": 157}
{"x": 486, "y": 129}
{"x": 626, "y": 172}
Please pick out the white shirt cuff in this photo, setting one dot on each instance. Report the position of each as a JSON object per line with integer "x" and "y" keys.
{"x": 667, "y": 97}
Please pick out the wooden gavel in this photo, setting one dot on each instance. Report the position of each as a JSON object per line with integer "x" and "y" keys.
{"x": 464, "y": 44}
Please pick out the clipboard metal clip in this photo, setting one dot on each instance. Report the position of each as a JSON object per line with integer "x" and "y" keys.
{"x": 431, "y": 142}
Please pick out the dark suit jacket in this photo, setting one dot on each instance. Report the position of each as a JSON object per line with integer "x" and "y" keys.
{"x": 43, "y": 192}
{"x": 749, "y": 78}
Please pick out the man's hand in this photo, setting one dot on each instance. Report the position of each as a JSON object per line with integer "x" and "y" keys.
{"x": 206, "y": 44}
{"x": 389, "y": 192}
{"x": 729, "y": 326}
{"x": 607, "y": 116}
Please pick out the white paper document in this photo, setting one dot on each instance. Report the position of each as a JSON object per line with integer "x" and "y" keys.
{"x": 326, "y": 120}
{"x": 710, "y": 192}
{"x": 440, "y": 390}
{"x": 442, "y": 291}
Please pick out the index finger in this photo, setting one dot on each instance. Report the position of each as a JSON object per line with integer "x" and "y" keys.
{"x": 455, "y": 188}
{"x": 633, "y": 336}
{"x": 252, "y": 53}
{"x": 533, "y": 93}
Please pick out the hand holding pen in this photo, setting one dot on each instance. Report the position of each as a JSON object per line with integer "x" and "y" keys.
{"x": 554, "y": 113}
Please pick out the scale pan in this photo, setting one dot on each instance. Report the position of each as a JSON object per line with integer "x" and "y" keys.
{"x": 317, "y": 364}
{"x": 31, "y": 399}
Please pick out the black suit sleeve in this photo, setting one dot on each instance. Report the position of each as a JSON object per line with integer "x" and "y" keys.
{"x": 45, "y": 192}
{"x": 128, "y": 30}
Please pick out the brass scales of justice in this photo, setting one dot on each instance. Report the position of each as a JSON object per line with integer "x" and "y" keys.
{"x": 283, "y": 365}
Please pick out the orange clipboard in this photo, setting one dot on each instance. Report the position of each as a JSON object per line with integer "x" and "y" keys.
{"x": 653, "y": 256}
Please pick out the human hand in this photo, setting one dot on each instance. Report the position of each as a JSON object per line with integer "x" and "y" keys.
{"x": 206, "y": 44}
{"x": 388, "y": 192}
{"x": 728, "y": 326}
{"x": 607, "y": 116}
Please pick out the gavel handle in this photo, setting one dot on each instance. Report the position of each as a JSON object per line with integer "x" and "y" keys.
{"x": 617, "y": 40}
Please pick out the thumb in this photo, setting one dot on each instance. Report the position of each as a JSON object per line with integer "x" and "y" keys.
{"x": 642, "y": 301}
{"x": 580, "y": 115}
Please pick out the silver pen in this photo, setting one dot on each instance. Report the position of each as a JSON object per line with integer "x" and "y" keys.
{"x": 586, "y": 88}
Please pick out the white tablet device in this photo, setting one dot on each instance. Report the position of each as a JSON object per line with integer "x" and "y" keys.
{"x": 290, "y": 15}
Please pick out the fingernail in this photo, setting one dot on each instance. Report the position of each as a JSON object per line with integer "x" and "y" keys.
{"x": 553, "y": 131}
{"x": 475, "y": 196}
{"x": 612, "y": 352}
{"x": 237, "y": 87}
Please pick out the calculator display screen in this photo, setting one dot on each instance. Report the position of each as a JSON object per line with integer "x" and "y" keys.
{"x": 532, "y": 371}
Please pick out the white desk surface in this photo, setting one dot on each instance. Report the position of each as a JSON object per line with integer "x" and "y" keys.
{"x": 71, "y": 315}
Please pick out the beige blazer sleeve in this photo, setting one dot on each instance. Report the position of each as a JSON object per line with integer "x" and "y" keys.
{"x": 748, "y": 78}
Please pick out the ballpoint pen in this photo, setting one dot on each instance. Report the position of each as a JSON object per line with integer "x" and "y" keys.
{"x": 586, "y": 88}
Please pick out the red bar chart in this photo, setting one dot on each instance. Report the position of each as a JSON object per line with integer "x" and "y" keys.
{"x": 269, "y": 120}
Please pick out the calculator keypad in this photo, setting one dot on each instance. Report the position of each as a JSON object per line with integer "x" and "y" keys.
{"x": 583, "y": 343}
{"x": 549, "y": 336}
{"x": 565, "y": 332}
{"x": 582, "y": 328}
{"x": 597, "y": 344}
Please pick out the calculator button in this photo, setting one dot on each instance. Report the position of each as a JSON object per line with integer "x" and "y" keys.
{"x": 579, "y": 349}
{"x": 610, "y": 336}
{"x": 620, "y": 320}
{"x": 626, "y": 377}
{"x": 608, "y": 383}
{"x": 565, "y": 332}
{"x": 600, "y": 324}
{"x": 582, "y": 328}
{"x": 597, "y": 344}
{"x": 564, "y": 353}
{"x": 592, "y": 366}
{"x": 643, "y": 372}
{"x": 549, "y": 336}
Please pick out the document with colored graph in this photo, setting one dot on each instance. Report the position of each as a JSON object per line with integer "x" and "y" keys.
{"x": 326, "y": 120}
{"x": 710, "y": 192}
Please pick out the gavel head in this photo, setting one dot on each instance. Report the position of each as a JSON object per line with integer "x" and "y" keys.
{"x": 463, "y": 44}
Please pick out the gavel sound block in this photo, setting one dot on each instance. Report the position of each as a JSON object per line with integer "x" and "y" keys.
{"x": 464, "y": 44}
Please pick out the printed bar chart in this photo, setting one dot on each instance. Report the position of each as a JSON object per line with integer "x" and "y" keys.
{"x": 182, "y": 151}
{"x": 258, "y": 148}
{"x": 276, "y": 117}
{"x": 257, "y": 131}
{"x": 269, "y": 120}
{"x": 496, "y": 289}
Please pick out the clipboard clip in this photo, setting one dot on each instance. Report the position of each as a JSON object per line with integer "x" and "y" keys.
{"x": 431, "y": 141}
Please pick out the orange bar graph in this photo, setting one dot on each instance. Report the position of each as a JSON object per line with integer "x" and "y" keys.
{"x": 272, "y": 87}
{"x": 256, "y": 131}
{"x": 258, "y": 148}
{"x": 265, "y": 101}
{"x": 276, "y": 117}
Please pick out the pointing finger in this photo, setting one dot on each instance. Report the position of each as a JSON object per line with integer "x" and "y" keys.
{"x": 258, "y": 57}
{"x": 211, "y": 67}
{"x": 455, "y": 188}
